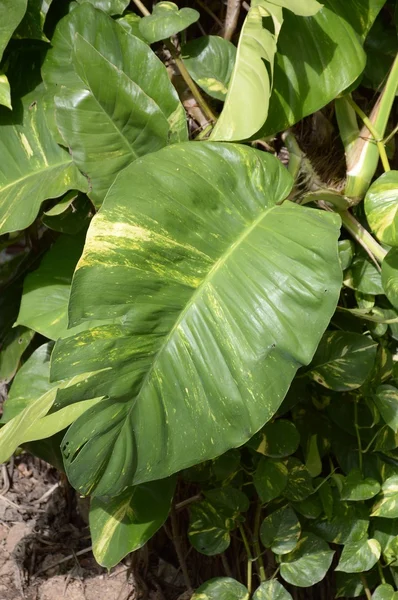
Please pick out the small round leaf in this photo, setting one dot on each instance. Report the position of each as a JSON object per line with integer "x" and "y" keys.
{"x": 299, "y": 485}
{"x": 221, "y": 588}
{"x": 387, "y": 506}
{"x": 277, "y": 439}
{"x": 271, "y": 590}
{"x": 270, "y": 478}
{"x": 166, "y": 20}
{"x": 357, "y": 488}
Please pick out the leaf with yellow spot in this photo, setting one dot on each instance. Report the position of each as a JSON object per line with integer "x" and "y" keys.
{"x": 381, "y": 208}
{"x": 125, "y": 523}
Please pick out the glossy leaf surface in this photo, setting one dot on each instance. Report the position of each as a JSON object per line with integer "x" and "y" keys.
{"x": 5, "y": 92}
{"x": 125, "y": 523}
{"x": 311, "y": 66}
{"x": 385, "y": 592}
{"x": 210, "y": 61}
{"x": 277, "y": 439}
{"x": 381, "y": 207}
{"x": 112, "y": 7}
{"x": 108, "y": 125}
{"x": 308, "y": 563}
{"x": 270, "y": 479}
{"x": 386, "y": 400}
{"x": 166, "y": 20}
{"x": 359, "y": 556}
{"x": 357, "y": 488}
{"x": 389, "y": 276}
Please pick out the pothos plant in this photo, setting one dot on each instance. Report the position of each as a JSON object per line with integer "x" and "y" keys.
{"x": 189, "y": 321}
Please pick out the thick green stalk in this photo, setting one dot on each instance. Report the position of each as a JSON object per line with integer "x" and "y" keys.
{"x": 362, "y": 236}
{"x": 363, "y": 156}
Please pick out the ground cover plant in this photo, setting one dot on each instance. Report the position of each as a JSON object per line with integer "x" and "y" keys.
{"x": 199, "y": 269}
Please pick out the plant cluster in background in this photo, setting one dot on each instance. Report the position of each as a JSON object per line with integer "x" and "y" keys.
{"x": 199, "y": 319}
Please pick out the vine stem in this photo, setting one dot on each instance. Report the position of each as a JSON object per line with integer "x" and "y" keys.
{"x": 362, "y": 236}
{"x": 368, "y": 593}
{"x": 249, "y": 559}
{"x": 360, "y": 460}
{"x": 210, "y": 116}
{"x": 257, "y": 548}
{"x": 368, "y": 123}
{"x": 177, "y": 545}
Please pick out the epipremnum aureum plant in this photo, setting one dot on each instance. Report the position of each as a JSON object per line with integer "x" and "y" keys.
{"x": 213, "y": 324}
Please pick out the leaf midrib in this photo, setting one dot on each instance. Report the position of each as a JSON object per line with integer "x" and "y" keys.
{"x": 217, "y": 265}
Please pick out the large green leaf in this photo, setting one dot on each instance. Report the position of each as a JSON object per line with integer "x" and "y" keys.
{"x": 221, "y": 588}
{"x": 343, "y": 360}
{"x": 271, "y": 590}
{"x": 11, "y": 14}
{"x": 246, "y": 104}
{"x": 109, "y": 126}
{"x": 281, "y": 530}
{"x": 318, "y": 57}
{"x": 166, "y": 20}
{"x": 359, "y": 556}
{"x": 387, "y": 506}
{"x": 210, "y": 61}
{"x": 308, "y": 563}
{"x": 189, "y": 251}
{"x": 125, "y": 523}
{"x": 381, "y": 207}
{"x": 31, "y": 382}
{"x": 33, "y": 167}
{"x": 44, "y": 304}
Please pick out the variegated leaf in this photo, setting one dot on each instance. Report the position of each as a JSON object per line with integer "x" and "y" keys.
{"x": 281, "y": 530}
{"x": 33, "y": 166}
{"x": 387, "y": 506}
{"x": 125, "y": 523}
{"x": 189, "y": 252}
{"x": 221, "y": 588}
{"x": 343, "y": 360}
{"x": 359, "y": 556}
{"x": 381, "y": 207}
{"x": 271, "y": 590}
{"x": 308, "y": 563}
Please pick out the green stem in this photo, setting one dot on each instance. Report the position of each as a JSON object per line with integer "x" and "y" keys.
{"x": 377, "y": 138}
{"x": 256, "y": 542}
{"x": 249, "y": 559}
{"x": 362, "y": 236}
{"x": 347, "y": 122}
{"x": 358, "y": 435}
{"x": 368, "y": 593}
{"x": 381, "y": 574}
{"x": 190, "y": 82}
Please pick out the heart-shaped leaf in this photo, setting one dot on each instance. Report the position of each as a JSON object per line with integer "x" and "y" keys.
{"x": 359, "y": 556}
{"x": 5, "y": 92}
{"x": 363, "y": 276}
{"x": 125, "y": 523}
{"x": 277, "y": 439}
{"x": 385, "y": 592}
{"x": 270, "y": 479}
{"x": 112, "y": 7}
{"x": 281, "y": 530}
{"x": 227, "y": 246}
{"x": 166, "y": 20}
{"x": 357, "y": 488}
{"x": 210, "y": 61}
{"x": 343, "y": 360}
{"x": 221, "y": 588}
{"x": 299, "y": 484}
{"x": 214, "y": 518}
{"x": 308, "y": 563}
{"x": 387, "y": 506}
{"x": 381, "y": 207}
